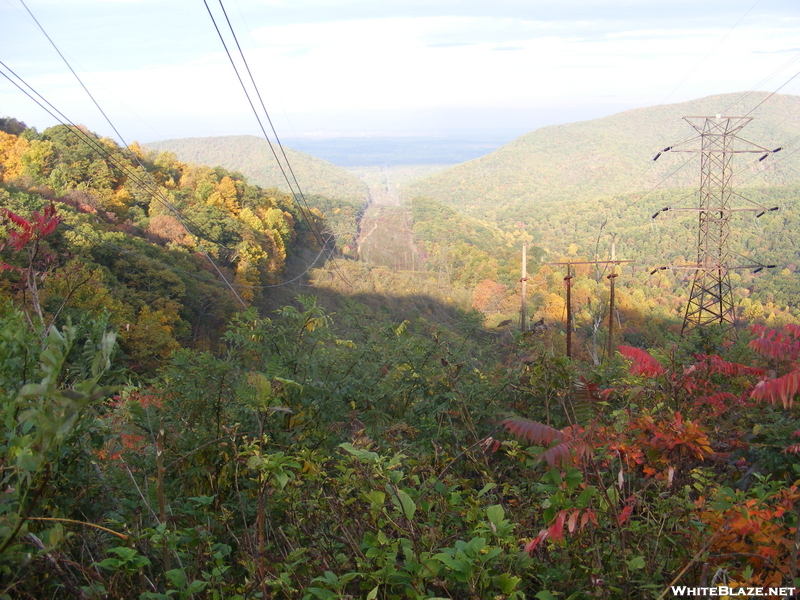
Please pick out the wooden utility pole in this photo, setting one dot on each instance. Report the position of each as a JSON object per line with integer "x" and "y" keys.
{"x": 523, "y": 313}
{"x": 568, "y": 282}
{"x": 611, "y": 279}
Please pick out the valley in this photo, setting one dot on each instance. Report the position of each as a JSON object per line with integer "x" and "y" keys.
{"x": 216, "y": 386}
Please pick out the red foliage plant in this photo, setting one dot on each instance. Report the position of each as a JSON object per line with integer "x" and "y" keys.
{"x": 643, "y": 364}
{"x": 778, "y": 345}
{"x": 39, "y": 226}
{"x": 781, "y": 345}
{"x": 568, "y": 517}
{"x": 568, "y": 449}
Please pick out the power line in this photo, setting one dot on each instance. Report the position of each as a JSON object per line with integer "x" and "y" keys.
{"x": 722, "y": 39}
{"x": 149, "y": 187}
{"x": 763, "y": 81}
{"x": 773, "y": 93}
{"x": 780, "y": 160}
{"x": 767, "y": 152}
{"x": 155, "y": 190}
{"x": 250, "y": 102}
{"x": 87, "y": 139}
{"x": 314, "y": 229}
{"x": 66, "y": 62}
{"x": 647, "y": 193}
{"x": 188, "y": 273}
{"x": 136, "y": 158}
{"x": 740, "y": 98}
{"x": 768, "y": 97}
{"x": 263, "y": 107}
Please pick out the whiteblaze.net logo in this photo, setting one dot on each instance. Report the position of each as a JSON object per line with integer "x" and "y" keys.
{"x": 723, "y": 591}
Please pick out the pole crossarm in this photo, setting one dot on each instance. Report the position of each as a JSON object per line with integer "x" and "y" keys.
{"x": 728, "y": 210}
{"x": 568, "y": 284}
{"x": 589, "y": 262}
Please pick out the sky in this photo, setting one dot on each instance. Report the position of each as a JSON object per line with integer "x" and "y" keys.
{"x": 333, "y": 68}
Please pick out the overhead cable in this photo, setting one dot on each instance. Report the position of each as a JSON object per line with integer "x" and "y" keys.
{"x": 131, "y": 174}
{"x": 298, "y": 195}
{"x": 136, "y": 158}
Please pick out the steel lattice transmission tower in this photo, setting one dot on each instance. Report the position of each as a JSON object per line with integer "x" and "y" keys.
{"x": 711, "y": 298}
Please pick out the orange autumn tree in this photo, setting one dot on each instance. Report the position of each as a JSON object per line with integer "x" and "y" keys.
{"x": 12, "y": 148}
{"x": 487, "y": 295}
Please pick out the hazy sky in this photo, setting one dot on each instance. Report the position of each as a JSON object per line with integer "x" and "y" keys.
{"x": 347, "y": 67}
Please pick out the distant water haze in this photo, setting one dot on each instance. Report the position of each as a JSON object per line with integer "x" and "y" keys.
{"x": 391, "y": 151}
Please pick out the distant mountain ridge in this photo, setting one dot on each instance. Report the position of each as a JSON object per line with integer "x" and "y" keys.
{"x": 612, "y": 156}
{"x": 253, "y": 157}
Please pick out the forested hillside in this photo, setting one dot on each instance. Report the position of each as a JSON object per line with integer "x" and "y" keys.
{"x": 363, "y": 430}
{"x": 573, "y": 190}
{"x": 136, "y": 232}
{"x": 253, "y": 157}
{"x": 612, "y": 156}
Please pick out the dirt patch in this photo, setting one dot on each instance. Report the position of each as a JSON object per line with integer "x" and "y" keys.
{"x": 387, "y": 239}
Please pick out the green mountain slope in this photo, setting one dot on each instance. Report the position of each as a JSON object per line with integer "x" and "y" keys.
{"x": 572, "y": 190}
{"x": 253, "y": 157}
{"x": 612, "y": 156}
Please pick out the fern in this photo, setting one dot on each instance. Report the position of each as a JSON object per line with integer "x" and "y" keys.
{"x": 584, "y": 401}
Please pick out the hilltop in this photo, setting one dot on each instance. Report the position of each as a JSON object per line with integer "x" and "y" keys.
{"x": 611, "y": 156}
{"x": 253, "y": 157}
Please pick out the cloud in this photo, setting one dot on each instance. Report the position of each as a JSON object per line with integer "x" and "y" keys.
{"x": 325, "y": 60}
{"x": 776, "y": 51}
{"x": 448, "y": 44}
{"x": 297, "y": 52}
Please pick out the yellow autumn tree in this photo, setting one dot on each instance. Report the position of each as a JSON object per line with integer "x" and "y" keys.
{"x": 36, "y": 159}
{"x": 120, "y": 200}
{"x": 151, "y": 339}
{"x": 136, "y": 150}
{"x": 11, "y": 150}
{"x": 555, "y": 307}
{"x": 249, "y": 255}
{"x": 268, "y": 234}
{"x": 251, "y": 219}
{"x": 280, "y": 229}
{"x": 225, "y": 196}
{"x": 169, "y": 170}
